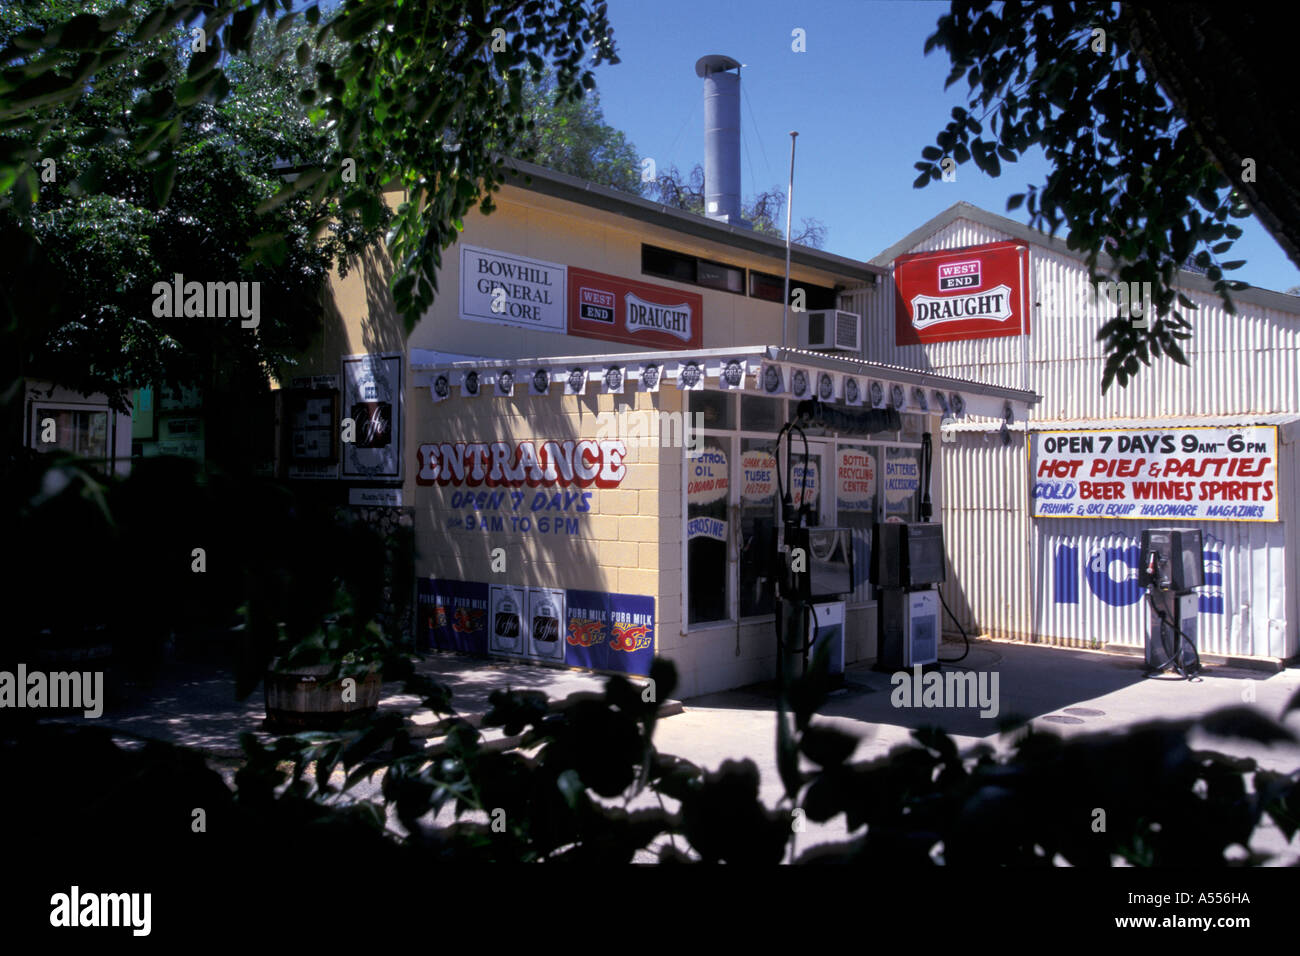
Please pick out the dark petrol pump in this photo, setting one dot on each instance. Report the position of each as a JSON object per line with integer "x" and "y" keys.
{"x": 812, "y": 566}
{"x": 906, "y": 565}
{"x": 1170, "y": 567}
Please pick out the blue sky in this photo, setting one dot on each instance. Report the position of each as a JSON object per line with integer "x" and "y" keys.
{"x": 864, "y": 98}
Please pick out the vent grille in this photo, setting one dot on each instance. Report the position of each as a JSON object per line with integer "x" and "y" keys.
{"x": 846, "y": 330}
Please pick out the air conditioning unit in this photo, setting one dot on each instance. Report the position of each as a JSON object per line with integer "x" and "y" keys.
{"x": 830, "y": 330}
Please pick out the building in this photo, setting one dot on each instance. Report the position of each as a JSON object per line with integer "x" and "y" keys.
{"x": 1043, "y": 549}
{"x": 580, "y": 430}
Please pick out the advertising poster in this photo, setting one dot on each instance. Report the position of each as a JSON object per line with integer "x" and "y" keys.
{"x": 758, "y": 472}
{"x": 453, "y": 615}
{"x": 635, "y": 313}
{"x": 977, "y": 292}
{"x": 902, "y": 480}
{"x": 802, "y": 489}
{"x": 506, "y": 289}
{"x": 507, "y": 620}
{"x": 855, "y": 469}
{"x": 1188, "y": 474}
{"x": 707, "y": 482}
{"x": 612, "y": 632}
{"x": 372, "y": 399}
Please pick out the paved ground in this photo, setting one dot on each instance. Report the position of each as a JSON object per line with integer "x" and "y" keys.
{"x": 1067, "y": 691}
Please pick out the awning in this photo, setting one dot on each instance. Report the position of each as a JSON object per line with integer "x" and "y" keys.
{"x": 761, "y": 370}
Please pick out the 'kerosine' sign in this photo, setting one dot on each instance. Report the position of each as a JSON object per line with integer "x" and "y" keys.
{"x": 973, "y": 293}
{"x": 636, "y": 313}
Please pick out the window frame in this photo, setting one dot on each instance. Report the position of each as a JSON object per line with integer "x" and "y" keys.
{"x": 37, "y": 406}
{"x": 732, "y": 439}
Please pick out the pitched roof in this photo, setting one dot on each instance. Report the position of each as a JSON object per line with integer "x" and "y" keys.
{"x": 539, "y": 179}
{"x": 1265, "y": 298}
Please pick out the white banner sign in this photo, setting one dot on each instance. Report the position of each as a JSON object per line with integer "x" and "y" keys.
{"x": 1190, "y": 474}
{"x": 706, "y": 476}
{"x": 512, "y": 290}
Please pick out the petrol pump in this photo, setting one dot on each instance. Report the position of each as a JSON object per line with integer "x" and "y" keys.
{"x": 906, "y": 564}
{"x": 812, "y": 566}
{"x": 1170, "y": 567}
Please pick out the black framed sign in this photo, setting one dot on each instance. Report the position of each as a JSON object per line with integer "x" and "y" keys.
{"x": 372, "y": 400}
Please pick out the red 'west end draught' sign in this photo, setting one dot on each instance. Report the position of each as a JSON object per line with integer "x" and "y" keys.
{"x": 636, "y": 313}
{"x": 978, "y": 292}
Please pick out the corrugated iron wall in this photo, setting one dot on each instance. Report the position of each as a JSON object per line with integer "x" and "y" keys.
{"x": 986, "y": 533}
{"x": 1071, "y": 581}
{"x": 1242, "y": 363}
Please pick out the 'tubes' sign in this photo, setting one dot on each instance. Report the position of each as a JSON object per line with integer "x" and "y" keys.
{"x": 972, "y": 293}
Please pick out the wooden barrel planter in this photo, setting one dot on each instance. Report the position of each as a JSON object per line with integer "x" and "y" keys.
{"x": 304, "y": 698}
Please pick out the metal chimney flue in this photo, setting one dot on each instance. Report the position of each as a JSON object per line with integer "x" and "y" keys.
{"x": 721, "y": 137}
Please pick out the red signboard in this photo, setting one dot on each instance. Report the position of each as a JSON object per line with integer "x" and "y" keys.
{"x": 635, "y": 313}
{"x": 978, "y": 292}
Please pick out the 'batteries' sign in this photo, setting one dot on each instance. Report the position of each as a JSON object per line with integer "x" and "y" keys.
{"x": 1192, "y": 474}
{"x": 972, "y": 293}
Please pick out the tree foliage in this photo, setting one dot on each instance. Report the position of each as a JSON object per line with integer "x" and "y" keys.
{"x": 571, "y": 136}
{"x": 764, "y": 210}
{"x": 427, "y": 95}
{"x": 1131, "y": 178}
{"x": 561, "y": 789}
{"x": 93, "y": 241}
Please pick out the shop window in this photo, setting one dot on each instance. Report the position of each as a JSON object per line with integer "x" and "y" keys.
{"x": 856, "y": 482}
{"x": 718, "y": 409}
{"x": 761, "y": 414}
{"x": 708, "y": 532}
{"x": 758, "y": 522}
{"x": 913, "y": 427}
{"x": 902, "y": 480}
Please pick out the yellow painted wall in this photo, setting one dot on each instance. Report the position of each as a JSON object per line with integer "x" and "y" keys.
{"x": 554, "y": 230}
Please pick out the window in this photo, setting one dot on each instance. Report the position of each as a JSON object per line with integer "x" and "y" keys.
{"x": 758, "y": 517}
{"x": 760, "y": 414}
{"x": 902, "y": 479}
{"x": 667, "y": 264}
{"x": 718, "y": 408}
{"x": 707, "y": 532}
{"x": 764, "y": 285}
{"x": 715, "y": 275}
{"x": 732, "y": 509}
{"x": 856, "y": 468}
{"x": 82, "y": 431}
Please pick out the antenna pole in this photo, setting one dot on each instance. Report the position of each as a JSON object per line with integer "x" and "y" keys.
{"x": 789, "y": 203}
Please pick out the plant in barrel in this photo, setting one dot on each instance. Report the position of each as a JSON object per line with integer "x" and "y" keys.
{"x": 334, "y": 673}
